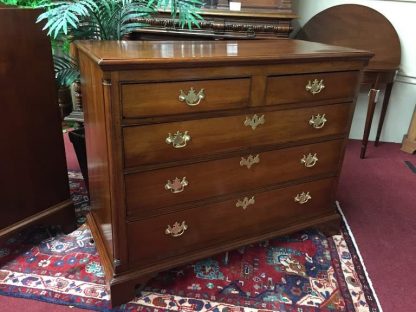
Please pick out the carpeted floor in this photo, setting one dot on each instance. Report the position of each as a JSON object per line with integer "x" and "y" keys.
{"x": 377, "y": 196}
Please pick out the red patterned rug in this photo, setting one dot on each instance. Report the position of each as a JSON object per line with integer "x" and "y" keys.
{"x": 303, "y": 272}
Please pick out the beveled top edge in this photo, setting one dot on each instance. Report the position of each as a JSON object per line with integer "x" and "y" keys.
{"x": 107, "y": 53}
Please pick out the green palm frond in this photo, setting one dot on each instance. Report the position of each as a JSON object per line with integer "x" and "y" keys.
{"x": 66, "y": 70}
{"x": 70, "y": 20}
{"x": 186, "y": 11}
{"x": 129, "y": 14}
{"x": 25, "y": 3}
{"x": 9, "y": 2}
{"x": 62, "y": 15}
{"x": 111, "y": 19}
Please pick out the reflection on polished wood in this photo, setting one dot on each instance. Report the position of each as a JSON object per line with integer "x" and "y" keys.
{"x": 118, "y": 55}
{"x": 361, "y": 27}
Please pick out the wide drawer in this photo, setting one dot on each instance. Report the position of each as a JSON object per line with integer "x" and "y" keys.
{"x": 311, "y": 87}
{"x": 197, "y": 228}
{"x": 150, "y": 190}
{"x": 169, "y": 142}
{"x": 166, "y": 98}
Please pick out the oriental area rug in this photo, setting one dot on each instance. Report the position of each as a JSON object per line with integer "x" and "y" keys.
{"x": 302, "y": 272}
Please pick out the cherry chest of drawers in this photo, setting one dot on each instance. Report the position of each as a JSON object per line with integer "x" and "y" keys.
{"x": 199, "y": 147}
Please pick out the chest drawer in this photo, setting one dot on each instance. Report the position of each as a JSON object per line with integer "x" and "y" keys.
{"x": 194, "y": 229}
{"x": 311, "y": 87}
{"x": 167, "y": 98}
{"x": 148, "y": 191}
{"x": 170, "y": 142}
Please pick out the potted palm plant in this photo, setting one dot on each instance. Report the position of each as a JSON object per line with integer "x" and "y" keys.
{"x": 71, "y": 20}
{"x": 111, "y": 19}
{"x": 23, "y": 3}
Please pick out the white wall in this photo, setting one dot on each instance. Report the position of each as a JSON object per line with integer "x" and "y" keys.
{"x": 402, "y": 14}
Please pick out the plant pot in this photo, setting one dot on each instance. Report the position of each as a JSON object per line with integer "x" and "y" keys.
{"x": 64, "y": 101}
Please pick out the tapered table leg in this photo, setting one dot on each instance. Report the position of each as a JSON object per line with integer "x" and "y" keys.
{"x": 372, "y": 100}
{"x": 383, "y": 111}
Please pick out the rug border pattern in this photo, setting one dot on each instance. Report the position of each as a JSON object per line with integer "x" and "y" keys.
{"x": 359, "y": 265}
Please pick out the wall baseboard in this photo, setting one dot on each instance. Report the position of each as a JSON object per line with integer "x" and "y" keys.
{"x": 405, "y": 79}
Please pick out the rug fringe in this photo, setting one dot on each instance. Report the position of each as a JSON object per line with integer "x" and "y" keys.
{"x": 359, "y": 254}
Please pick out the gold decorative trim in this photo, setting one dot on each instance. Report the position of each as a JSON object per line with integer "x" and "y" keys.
{"x": 107, "y": 82}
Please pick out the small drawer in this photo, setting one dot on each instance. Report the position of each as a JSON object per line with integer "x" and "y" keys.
{"x": 257, "y": 213}
{"x": 151, "y": 190}
{"x": 167, "y": 98}
{"x": 311, "y": 87}
{"x": 170, "y": 142}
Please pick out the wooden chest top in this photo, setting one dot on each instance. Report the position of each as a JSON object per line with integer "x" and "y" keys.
{"x": 142, "y": 54}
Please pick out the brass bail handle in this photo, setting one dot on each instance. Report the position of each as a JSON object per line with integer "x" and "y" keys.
{"x": 177, "y": 185}
{"x": 245, "y": 202}
{"x": 250, "y": 161}
{"x": 303, "y": 198}
{"x": 315, "y": 86}
{"x": 177, "y": 229}
{"x": 318, "y": 121}
{"x": 192, "y": 98}
{"x": 254, "y": 121}
{"x": 309, "y": 160}
{"x": 178, "y": 139}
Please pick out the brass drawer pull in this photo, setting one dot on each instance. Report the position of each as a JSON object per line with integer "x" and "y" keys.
{"x": 318, "y": 121}
{"x": 303, "y": 198}
{"x": 179, "y": 139}
{"x": 254, "y": 121}
{"x": 192, "y": 98}
{"x": 177, "y": 229}
{"x": 315, "y": 86}
{"x": 309, "y": 160}
{"x": 250, "y": 160}
{"x": 245, "y": 202}
{"x": 177, "y": 185}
